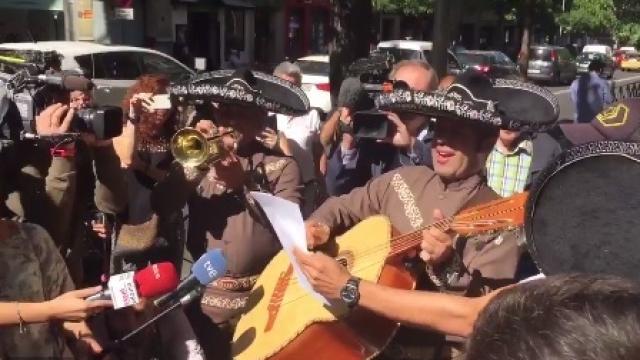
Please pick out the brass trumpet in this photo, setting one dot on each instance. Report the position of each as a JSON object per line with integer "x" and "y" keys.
{"x": 191, "y": 148}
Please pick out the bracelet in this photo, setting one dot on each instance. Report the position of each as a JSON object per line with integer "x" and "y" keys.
{"x": 20, "y": 319}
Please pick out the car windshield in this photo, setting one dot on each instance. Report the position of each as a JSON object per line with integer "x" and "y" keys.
{"x": 472, "y": 59}
{"x": 541, "y": 54}
{"x": 588, "y": 57}
{"x": 402, "y": 54}
{"x": 314, "y": 67}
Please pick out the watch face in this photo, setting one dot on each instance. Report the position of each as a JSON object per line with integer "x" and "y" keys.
{"x": 349, "y": 294}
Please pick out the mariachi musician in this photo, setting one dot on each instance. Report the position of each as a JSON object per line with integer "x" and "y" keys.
{"x": 222, "y": 214}
{"x": 468, "y": 115}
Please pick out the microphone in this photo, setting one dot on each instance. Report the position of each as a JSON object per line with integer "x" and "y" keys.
{"x": 65, "y": 80}
{"x": 209, "y": 267}
{"x": 126, "y": 289}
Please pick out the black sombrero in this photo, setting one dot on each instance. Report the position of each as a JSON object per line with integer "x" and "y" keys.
{"x": 509, "y": 104}
{"x": 245, "y": 87}
{"x": 524, "y": 106}
{"x": 583, "y": 213}
{"x": 460, "y": 100}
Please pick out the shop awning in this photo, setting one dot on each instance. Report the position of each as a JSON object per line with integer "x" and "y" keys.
{"x": 56, "y": 5}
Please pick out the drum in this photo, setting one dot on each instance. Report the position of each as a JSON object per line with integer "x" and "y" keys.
{"x": 583, "y": 213}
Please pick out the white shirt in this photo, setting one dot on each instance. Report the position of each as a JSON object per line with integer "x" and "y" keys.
{"x": 303, "y": 130}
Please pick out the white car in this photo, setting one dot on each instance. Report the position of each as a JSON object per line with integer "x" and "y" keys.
{"x": 417, "y": 50}
{"x": 113, "y": 68}
{"x": 315, "y": 81}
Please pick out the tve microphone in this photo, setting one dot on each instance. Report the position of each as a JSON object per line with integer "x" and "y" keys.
{"x": 126, "y": 289}
{"x": 209, "y": 267}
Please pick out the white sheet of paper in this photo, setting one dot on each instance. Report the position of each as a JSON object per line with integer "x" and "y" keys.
{"x": 286, "y": 219}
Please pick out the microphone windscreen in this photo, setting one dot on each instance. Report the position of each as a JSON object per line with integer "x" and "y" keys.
{"x": 210, "y": 266}
{"x": 76, "y": 82}
{"x": 352, "y": 95}
{"x": 157, "y": 279}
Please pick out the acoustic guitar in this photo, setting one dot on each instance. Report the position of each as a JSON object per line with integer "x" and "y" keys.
{"x": 284, "y": 321}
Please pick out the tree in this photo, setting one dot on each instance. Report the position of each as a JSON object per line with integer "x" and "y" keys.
{"x": 352, "y": 34}
{"x": 595, "y": 17}
{"x": 407, "y": 7}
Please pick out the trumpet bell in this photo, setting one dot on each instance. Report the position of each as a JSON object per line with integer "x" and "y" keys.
{"x": 191, "y": 148}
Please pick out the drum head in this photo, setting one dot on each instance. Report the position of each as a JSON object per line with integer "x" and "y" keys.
{"x": 583, "y": 215}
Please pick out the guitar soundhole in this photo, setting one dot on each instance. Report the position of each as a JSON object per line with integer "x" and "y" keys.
{"x": 345, "y": 259}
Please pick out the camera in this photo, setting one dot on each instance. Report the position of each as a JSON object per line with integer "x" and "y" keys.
{"x": 29, "y": 89}
{"x": 104, "y": 122}
{"x": 371, "y": 124}
{"x": 373, "y": 71}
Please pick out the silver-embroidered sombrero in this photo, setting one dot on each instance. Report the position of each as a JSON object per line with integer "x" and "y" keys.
{"x": 459, "y": 100}
{"x": 508, "y": 104}
{"x": 247, "y": 88}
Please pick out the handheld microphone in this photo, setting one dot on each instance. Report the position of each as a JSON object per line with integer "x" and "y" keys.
{"x": 126, "y": 289}
{"x": 209, "y": 267}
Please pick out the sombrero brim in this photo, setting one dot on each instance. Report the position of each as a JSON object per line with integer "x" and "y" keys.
{"x": 439, "y": 104}
{"x": 224, "y": 86}
{"x": 524, "y": 106}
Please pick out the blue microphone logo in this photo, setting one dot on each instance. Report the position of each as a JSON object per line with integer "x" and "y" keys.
{"x": 210, "y": 266}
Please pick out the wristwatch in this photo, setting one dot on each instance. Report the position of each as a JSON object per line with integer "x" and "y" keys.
{"x": 350, "y": 293}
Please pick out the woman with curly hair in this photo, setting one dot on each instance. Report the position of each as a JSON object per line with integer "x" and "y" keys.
{"x": 147, "y": 236}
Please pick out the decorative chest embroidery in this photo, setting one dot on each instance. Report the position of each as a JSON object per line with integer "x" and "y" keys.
{"x": 275, "y": 166}
{"x": 408, "y": 200}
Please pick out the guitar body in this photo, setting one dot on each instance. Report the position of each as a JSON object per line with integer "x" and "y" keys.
{"x": 285, "y": 322}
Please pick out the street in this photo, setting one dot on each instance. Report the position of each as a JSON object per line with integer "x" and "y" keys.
{"x": 562, "y": 92}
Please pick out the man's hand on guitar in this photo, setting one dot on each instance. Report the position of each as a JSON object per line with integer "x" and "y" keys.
{"x": 325, "y": 274}
{"x": 437, "y": 246}
{"x": 317, "y": 233}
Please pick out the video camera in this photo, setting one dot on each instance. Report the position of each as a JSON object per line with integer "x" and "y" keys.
{"x": 372, "y": 72}
{"x": 27, "y": 89}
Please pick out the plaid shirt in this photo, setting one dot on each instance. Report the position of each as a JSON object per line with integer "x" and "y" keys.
{"x": 507, "y": 173}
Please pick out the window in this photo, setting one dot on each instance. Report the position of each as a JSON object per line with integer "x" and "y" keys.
{"x": 122, "y": 65}
{"x": 452, "y": 62}
{"x": 314, "y": 67}
{"x": 86, "y": 64}
{"x": 158, "y": 64}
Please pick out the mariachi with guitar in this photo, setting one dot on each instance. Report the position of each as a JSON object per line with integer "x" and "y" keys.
{"x": 379, "y": 225}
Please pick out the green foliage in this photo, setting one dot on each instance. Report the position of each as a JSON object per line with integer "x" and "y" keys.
{"x": 407, "y": 7}
{"x": 629, "y": 34}
{"x": 590, "y": 16}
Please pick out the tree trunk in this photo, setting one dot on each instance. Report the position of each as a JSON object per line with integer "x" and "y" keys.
{"x": 352, "y": 35}
{"x": 523, "y": 56}
{"x": 440, "y": 37}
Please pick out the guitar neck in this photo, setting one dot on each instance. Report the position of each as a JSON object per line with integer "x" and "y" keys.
{"x": 406, "y": 242}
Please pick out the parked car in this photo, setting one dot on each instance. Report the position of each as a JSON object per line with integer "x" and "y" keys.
{"x": 113, "y": 68}
{"x": 583, "y": 60}
{"x": 551, "y": 64}
{"x": 414, "y": 49}
{"x": 493, "y": 63}
{"x": 315, "y": 81}
{"x": 631, "y": 62}
{"x": 598, "y": 48}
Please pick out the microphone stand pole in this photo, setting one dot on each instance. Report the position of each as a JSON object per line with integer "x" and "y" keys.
{"x": 117, "y": 345}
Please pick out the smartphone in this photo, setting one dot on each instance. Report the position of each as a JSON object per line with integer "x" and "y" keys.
{"x": 271, "y": 122}
{"x": 160, "y": 102}
{"x": 370, "y": 124}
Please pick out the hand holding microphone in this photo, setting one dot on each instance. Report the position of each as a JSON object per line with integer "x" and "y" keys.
{"x": 127, "y": 289}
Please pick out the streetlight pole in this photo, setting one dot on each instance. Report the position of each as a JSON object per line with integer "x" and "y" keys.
{"x": 563, "y": 3}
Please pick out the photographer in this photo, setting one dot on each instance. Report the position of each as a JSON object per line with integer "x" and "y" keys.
{"x": 32, "y": 268}
{"x": 352, "y": 160}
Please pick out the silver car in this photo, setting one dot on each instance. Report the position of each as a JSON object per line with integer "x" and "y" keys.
{"x": 113, "y": 68}
{"x": 553, "y": 64}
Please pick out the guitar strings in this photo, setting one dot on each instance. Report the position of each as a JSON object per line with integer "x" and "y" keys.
{"x": 402, "y": 244}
